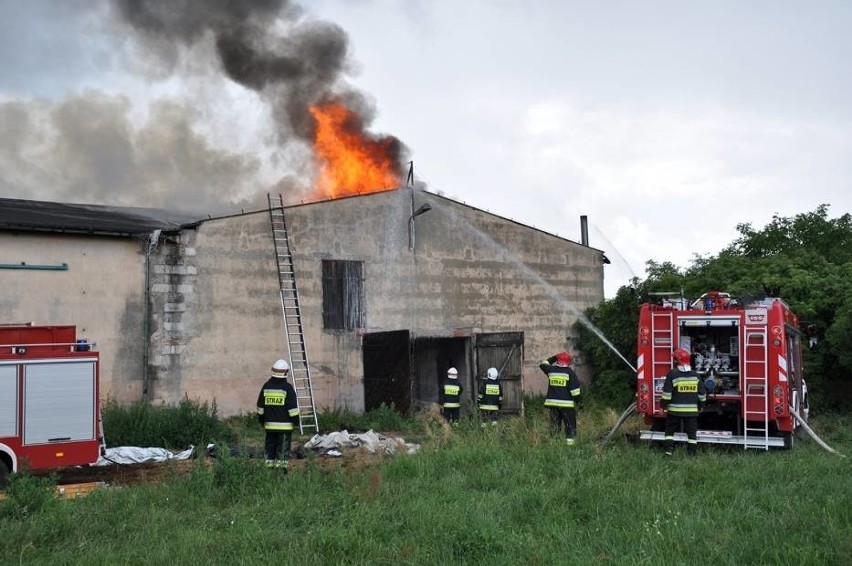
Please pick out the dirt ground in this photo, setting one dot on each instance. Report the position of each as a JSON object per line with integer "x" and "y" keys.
{"x": 154, "y": 472}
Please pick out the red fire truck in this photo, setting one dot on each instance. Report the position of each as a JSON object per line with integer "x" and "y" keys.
{"x": 49, "y": 402}
{"x": 749, "y": 354}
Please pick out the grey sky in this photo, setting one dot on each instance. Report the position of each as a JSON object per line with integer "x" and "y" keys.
{"x": 666, "y": 122}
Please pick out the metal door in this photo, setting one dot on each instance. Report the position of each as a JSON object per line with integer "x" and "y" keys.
{"x": 504, "y": 351}
{"x": 387, "y": 370}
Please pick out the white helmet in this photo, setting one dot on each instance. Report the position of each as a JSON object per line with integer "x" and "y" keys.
{"x": 452, "y": 373}
{"x": 280, "y": 368}
{"x": 492, "y": 373}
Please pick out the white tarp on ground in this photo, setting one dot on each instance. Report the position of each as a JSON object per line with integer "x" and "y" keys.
{"x": 137, "y": 455}
{"x": 371, "y": 441}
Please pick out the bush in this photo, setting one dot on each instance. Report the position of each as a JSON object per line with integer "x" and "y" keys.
{"x": 142, "y": 424}
{"x": 611, "y": 389}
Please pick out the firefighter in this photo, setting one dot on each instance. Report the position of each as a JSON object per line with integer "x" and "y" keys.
{"x": 278, "y": 412}
{"x": 683, "y": 397}
{"x": 490, "y": 397}
{"x": 563, "y": 394}
{"x": 450, "y": 396}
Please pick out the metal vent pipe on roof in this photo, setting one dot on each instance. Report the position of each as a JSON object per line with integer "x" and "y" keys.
{"x": 584, "y": 230}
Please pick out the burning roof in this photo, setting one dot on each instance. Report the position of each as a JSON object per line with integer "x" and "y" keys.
{"x": 296, "y": 65}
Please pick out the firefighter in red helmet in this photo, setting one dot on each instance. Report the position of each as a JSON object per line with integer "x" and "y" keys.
{"x": 563, "y": 394}
{"x": 683, "y": 396}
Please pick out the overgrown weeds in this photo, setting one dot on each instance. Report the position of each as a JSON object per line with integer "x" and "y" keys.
{"x": 383, "y": 418}
{"x": 171, "y": 426}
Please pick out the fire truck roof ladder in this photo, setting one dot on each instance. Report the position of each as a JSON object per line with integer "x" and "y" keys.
{"x": 296, "y": 350}
{"x": 756, "y": 394}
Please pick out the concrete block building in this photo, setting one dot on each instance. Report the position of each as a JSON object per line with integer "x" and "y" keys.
{"x": 395, "y": 287}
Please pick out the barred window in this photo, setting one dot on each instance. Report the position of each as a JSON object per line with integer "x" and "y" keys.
{"x": 342, "y": 294}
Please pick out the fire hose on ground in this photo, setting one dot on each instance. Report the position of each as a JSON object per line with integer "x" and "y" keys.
{"x": 627, "y": 412}
{"x": 632, "y": 407}
{"x": 813, "y": 434}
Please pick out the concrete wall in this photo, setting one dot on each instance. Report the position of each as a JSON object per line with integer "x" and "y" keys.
{"x": 217, "y": 324}
{"x": 101, "y": 293}
{"x": 470, "y": 272}
{"x": 483, "y": 272}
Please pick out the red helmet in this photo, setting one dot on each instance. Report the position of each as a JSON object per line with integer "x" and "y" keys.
{"x": 563, "y": 358}
{"x": 681, "y": 356}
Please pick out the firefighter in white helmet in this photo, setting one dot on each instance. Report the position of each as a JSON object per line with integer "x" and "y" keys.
{"x": 278, "y": 412}
{"x": 450, "y": 394}
{"x": 683, "y": 396}
{"x": 490, "y": 397}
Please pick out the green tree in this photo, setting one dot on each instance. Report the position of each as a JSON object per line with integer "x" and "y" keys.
{"x": 608, "y": 343}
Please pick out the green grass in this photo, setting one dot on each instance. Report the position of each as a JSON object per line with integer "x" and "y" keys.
{"x": 507, "y": 496}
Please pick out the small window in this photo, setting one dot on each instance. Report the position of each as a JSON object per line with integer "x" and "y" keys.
{"x": 342, "y": 294}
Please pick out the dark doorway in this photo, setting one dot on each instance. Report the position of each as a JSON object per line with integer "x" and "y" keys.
{"x": 433, "y": 356}
{"x": 387, "y": 370}
{"x": 504, "y": 351}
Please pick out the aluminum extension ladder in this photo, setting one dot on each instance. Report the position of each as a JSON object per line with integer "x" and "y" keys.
{"x": 756, "y": 389}
{"x": 300, "y": 370}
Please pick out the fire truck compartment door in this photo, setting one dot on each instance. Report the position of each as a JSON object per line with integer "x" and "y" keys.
{"x": 8, "y": 400}
{"x": 59, "y": 401}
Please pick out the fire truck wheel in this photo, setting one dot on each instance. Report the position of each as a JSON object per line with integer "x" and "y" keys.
{"x": 788, "y": 440}
{"x": 4, "y": 474}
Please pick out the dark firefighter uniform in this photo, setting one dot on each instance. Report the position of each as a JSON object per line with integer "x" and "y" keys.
{"x": 563, "y": 395}
{"x": 278, "y": 412}
{"x": 451, "y": 391}
{"x": 683, "y": 396}
{"x": 490, "y": 398}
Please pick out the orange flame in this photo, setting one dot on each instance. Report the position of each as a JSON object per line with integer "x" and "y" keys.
{"x": 350, "y": 161}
